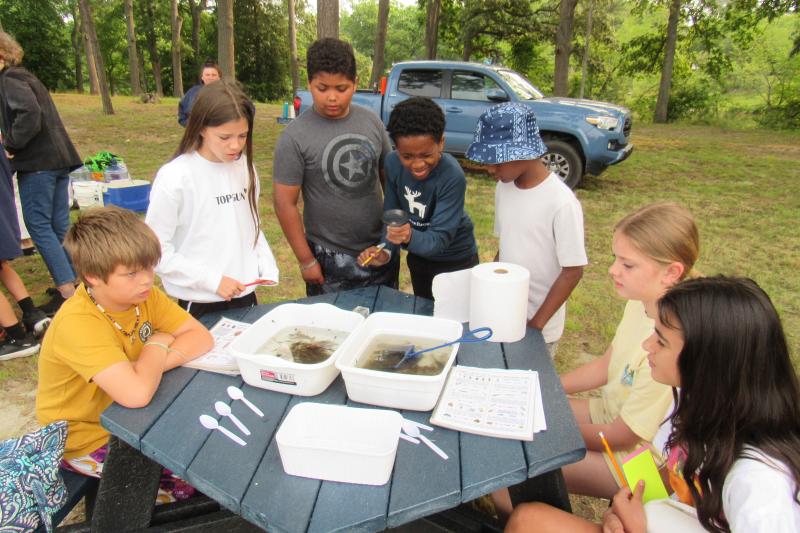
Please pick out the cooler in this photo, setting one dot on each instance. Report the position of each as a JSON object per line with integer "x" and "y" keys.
{"x": 130, "y": 194}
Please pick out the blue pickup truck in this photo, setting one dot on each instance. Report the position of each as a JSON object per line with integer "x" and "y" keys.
{"x": 583, "y": 136}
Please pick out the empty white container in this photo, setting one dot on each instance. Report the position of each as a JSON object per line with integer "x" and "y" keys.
{"x": 274, "y": 373}
{"x": 389, "y": 389}
{"x": 339, "y": 443}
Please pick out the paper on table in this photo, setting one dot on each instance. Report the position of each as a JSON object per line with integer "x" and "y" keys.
{"x": 218, "y": 359}
{"x": 492, "y": 402}
{"x": 641, "y": 465}
{"x": 539, "y": 422}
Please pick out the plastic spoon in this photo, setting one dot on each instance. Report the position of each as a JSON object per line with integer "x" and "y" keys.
{"x": 470, "y": 336}
{"x": 211, "y": 423}
{"x": 224, "y": 409}
{"x": 412, "y": 430}
{"x": 236, "y": 394}
{"x": 409, "y": 439}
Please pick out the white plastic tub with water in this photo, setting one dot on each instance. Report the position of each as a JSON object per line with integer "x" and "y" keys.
{"x": 275, "y": 373}
{"x": 339, "y": 443}
{"x": 389, "y": 389}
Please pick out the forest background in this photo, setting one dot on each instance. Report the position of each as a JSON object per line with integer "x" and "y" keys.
{"x": 724, "y": 62}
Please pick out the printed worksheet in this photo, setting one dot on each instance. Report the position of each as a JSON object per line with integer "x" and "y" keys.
{"x": 492, "y": 402}
{"x": 219, "y": 359}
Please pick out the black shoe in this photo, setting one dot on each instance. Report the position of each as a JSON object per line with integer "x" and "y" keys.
{"x": 51, "y": 307}
{"x": 13, "y": 348}
{"x": 36, "y": 322}
{"x": 30, "y": 250}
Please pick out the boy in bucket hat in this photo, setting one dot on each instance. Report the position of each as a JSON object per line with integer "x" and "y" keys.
{"x": 537, "y": 218}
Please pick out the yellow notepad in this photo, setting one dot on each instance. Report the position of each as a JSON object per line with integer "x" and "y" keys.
{"x": 641, "y": 465}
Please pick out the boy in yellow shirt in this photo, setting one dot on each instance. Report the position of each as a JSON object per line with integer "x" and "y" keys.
{"x": 114, "y": 338}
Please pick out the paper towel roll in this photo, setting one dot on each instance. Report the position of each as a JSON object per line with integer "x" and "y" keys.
{"x": 499, "y": 300}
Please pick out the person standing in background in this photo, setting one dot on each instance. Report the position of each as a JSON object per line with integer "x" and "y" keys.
{"x": 208, "y": 74}
{"x": 42, "y": 155}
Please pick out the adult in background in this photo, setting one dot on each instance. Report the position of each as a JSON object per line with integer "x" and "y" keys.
{"x": 208, "y": 74}
{"x": 42, "y": 155}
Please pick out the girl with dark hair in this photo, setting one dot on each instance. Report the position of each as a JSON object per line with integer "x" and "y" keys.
{"x": 204, "y": 208}
{"x": 734, "y": 448}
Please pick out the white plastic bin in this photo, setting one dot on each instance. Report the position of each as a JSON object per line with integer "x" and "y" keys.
{"x": 274, "y": 373}
{"x": 339, "y": 443}
{"x": 388, "y": 389}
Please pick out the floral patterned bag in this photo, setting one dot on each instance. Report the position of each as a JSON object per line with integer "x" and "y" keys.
{"x": 31, "y": 488}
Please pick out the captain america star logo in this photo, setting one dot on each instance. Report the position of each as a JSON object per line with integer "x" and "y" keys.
{"x": 348, "y": 165}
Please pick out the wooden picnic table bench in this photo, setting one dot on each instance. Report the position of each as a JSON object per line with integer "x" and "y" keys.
{"x": 249, "y": 483}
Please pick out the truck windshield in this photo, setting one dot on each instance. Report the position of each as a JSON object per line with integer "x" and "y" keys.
{"x": 521, "y": 87}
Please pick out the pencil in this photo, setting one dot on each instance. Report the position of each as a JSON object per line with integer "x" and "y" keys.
{"x": 613, "y": 460}
{"x": 378, "y": 249}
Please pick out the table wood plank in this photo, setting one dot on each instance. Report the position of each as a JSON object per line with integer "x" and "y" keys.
{"x": 275, "y": 500}
{"x": 222, "y": 469}
{"x": 130, "y": 425}
{"x": 176, "y": 437}
{"x": 562, "y": 443}
{"x": 364, "y": 297}
{"x": 394, "y": 301}
{"x": 423, "y": 483}
{"x": 487, "y": 464}
{"x": 331, "y": 512}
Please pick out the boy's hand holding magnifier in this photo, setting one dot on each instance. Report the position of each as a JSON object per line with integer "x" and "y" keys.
{"x": 398, "y": 231}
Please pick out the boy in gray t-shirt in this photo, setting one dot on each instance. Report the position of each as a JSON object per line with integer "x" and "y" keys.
{"x": 333, "y": 153}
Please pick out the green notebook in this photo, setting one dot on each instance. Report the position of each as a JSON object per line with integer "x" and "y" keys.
{"x": 641, "y": 465}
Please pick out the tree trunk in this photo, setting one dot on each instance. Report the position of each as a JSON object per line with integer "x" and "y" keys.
{"x": 380, "y": 43}
{"x": 585, "y": 62}
{"x": 225, "y": 38}
{"x": 196, "y": 9}
{"x": 662, "y": 103}
{"x": 153, "y": 48}
{"x": 94, "y": 87}
{"x": 94, "y": 51}
{"x": 293, "y": 61}
{"x": 566, "y": 20}
{"x": 327, "y": 18}
{"x": 133, "y": 55}
{"x": 177, "y": 71}
{"x": 432, "y": 28}
{"x": 76, "y": 37}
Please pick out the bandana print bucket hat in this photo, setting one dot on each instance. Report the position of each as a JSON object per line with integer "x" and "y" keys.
{"x": 506, "y": 132}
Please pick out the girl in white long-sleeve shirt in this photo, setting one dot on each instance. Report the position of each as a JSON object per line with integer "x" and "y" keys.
{"x": 204, "y": 208}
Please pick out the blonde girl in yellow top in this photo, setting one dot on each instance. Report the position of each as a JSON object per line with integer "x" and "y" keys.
{"x": 654, "y": 248}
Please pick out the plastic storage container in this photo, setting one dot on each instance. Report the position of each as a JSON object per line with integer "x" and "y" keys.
{"x": 115, "y": 173}
{"x": 339, "y": 443}
{"x": 130, "y": 194}
{"x": 388, "y": 389}
{"x": 88, "y": 193}
{"x": 274, "y": 373}
{"x": 80, "y": 174}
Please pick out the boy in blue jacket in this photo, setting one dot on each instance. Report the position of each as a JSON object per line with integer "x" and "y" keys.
{"x": 428, "y": 184}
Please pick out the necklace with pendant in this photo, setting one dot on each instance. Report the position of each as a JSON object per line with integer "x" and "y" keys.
{"x": 117, "y": 324}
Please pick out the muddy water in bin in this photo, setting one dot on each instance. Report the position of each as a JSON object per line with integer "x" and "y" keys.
{"x": 385, "y": 351}
{"x": 303, "y": 344}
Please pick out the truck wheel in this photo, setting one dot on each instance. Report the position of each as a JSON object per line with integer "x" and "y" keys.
{"x": 563, "y": 160}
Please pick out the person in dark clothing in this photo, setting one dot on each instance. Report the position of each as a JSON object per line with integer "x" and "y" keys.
{"x": 19, "y": 338}
{"x": 42, "y": 155}
{"x": 430, "y": 186}
{"x": 208, "y": 74}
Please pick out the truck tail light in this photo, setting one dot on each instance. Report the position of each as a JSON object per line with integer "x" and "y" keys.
{"x": 383, "y": 85}
{"x": 296, "y": 103}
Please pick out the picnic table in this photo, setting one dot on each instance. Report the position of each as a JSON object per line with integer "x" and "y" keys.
{"x": 249, "y": 482}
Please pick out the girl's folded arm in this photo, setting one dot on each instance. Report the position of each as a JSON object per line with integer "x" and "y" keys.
{"x": 590, "y": 376}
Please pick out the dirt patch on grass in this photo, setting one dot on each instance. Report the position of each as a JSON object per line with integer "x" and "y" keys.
{"x": 17, "y": 405}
